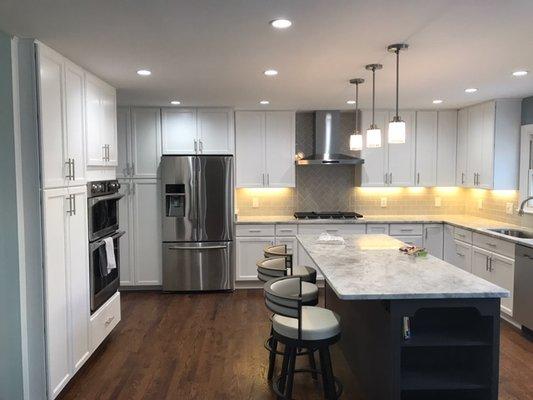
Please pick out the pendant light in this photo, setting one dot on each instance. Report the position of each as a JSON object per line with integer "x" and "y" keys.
{"x": 373, "y": 134}
{"x": 356, "y": 139}
{"x": 397, "y": 126}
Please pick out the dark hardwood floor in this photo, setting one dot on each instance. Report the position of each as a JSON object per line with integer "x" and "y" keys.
{"x": 210, "y": 346}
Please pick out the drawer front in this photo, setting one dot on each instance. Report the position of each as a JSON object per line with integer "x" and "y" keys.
{"x": 377, "y": 229}
{"x": 463, "y": 256}
{"x": 405, "y": 229}
{"x": 105, "y": 320}
{"x": 255, "y": 230}
{"x": 286, "y": 230}
{"x": 495, "y": 245}
{"x": 462, "y": 234}
{"x": 333, "y": 229}
{"x": 411, "y": 240}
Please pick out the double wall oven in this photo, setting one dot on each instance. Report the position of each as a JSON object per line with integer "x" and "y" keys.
{"x": 103, "y": 201}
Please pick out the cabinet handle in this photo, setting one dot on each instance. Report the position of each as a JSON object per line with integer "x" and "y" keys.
{"x": 132, "y": 171}
{"x": 426, "y": 233}
{"x": 195, "y": 146}
{"x": 462, "y": 178}
{"x": 487, "y": 264}
{"x": 108, "y": 152}
{"x": 460, "y": 234}
{"x": 268, "y": 179}
{"x": 103, "y": 150}
{"x": 73, "y": 169}
{"x": 69, "y": 164}
{"x": 418, "y": 178}
{"x": 406, "y": 230}
{"x": 478, "y": 178}
{"x": 74, "y": 202}
{"x": 385, "y": 178}
{"x": 69, "y": 198}
{"x": 126, "y": 170}
{"x": 201, "y": 146}
{"x": 109, "y": 320}
{"x": 254, "y": 230}
{"x": 460, "y": 254}
{"x": 490, "y": 244}
{"x": 490, "y": 263}
{"x": 285, "y": 230}
{"x": 263, "y": 177}
{"x": 390, "y": 178}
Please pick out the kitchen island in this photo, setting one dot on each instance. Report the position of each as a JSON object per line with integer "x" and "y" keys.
{"x": 412, "y": 327}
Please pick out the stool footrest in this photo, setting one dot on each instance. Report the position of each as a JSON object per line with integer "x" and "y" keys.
{"x": 276, "y": 383}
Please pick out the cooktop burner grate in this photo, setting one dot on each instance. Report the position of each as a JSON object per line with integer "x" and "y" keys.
{"x": 327, "y": 215}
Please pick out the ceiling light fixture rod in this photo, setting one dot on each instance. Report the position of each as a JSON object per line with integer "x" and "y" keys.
{"x": 395, "y": 48}
{"x": 356, "y": 82}
{"x": 373, "y": 68}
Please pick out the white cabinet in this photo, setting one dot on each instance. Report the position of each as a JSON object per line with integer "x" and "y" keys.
{"x": 390, "y": 164}
{"x": 61, "y": 119}
{"x": 197, "y": 131}
{"x": 446, "y": 147}
{"x": 101, "y": 122}
{"x": 140, "y": 217}
{"x": 411, "y": 240}
{"x": 292, "y": 247}
{"x": 248, "y": 251}
{"x": 104, "y": 320}
{"x": 139, "y": 133}
{"x": 462, "y": 177}
{"x": 305, "y": 259}
{"x": 462, "y": 255}
{"x": 480, "y": 262}
{"x": 426, "y": 148}
{"x": 375, "y": 229}
{"x": 433, "y": 239}
{"x": 66, "y": 284}
{"x": 265, "y": 147}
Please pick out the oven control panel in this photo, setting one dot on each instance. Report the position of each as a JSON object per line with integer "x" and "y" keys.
{"x": 102, "y": 188}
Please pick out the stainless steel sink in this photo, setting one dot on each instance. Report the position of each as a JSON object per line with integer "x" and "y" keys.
{"x": 517, "y": 233}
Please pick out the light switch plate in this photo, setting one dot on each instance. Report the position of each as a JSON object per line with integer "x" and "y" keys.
{"x": 383, "y": 202}
{"x": 509, "y": 208}
{"x": 480, "y": 203}
{"x": 438, "y": 202}
{"x": 255, "y": 202}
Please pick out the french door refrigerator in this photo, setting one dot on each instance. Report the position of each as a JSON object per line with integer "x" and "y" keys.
{"x": 198, "y": 227}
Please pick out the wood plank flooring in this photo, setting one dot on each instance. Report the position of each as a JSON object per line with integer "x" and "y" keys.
{"x": 210, "y": 346}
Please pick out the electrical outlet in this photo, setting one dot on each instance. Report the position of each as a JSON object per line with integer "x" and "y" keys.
{"x": 255, "y": 202}
{"x": 383, "y": 202}
{"x": 438, "y": 202}
{"x": 509, "y": 208}
{"x": 480, "y": 203}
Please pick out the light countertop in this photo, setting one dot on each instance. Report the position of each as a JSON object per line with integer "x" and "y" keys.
{"x": 370, "y": 267}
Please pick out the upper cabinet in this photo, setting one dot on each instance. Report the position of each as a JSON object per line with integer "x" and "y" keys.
{"x": 265, "y": 147}
{"x": 462, "y": 177}
{"x": 446, "y": 147}
{"x": 139, "y": 138}
{"x": 492, "y": 140}
{"x": 61, "y": 119}
{"x": 391, "y": 164}
{"x": 101, "y": 122}
{"x": 197, "y": 131}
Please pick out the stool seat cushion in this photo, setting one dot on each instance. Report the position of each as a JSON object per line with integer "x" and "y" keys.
{"x": 317, "y": 324}
{"x": 301, "y": 270}
{"x": 309, "y": 292}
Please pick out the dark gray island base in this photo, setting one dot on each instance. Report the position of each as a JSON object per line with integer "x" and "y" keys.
{"x": 452, "y": 352}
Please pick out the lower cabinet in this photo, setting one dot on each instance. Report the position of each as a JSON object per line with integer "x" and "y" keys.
{"x": 66, "y": 284}
{"x": 292, "y": 247}
{"x": 140, "y": 247}
{"x": 433, "y": 239}
{"x": 462, "y": 255}
{"x": 305, "y": 259}
{"x": 104, "y": 320}
{"x": 249, "y": 250}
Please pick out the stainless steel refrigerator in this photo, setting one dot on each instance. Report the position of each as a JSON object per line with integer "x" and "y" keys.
{"x": 198, "y": 227}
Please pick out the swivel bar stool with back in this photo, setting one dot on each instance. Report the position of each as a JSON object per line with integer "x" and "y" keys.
{"x": 280, "y": 250}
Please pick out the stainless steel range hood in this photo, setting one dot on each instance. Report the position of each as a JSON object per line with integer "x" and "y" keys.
{"x": 328, "y": 142}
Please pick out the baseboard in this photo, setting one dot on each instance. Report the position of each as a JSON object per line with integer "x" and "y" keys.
{"x": 508, "y": 319}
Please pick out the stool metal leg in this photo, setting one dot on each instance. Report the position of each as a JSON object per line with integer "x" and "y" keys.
{"x": 284, "y": 366}
{"x": 290, "y": 372}
{"x": 327, "y": 374}
{"x": 272, "y": 357}
{"x": 312, "y": 363}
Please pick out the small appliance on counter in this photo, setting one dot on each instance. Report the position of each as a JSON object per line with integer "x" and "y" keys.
{"x": 102, "y": 211}
{"x": 327, "y": 215}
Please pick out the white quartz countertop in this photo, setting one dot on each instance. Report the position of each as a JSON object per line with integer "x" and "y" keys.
{"x": 370, "y": 267}
{"x": 472, "y": 223}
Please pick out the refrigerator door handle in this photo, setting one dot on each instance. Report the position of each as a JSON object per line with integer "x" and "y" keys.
{"x": 198, "y": 248}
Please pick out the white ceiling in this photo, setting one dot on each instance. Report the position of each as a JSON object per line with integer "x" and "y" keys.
{"x": 213, "y": 52}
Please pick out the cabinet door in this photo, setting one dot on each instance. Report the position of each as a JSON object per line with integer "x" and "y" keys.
{"x": 94, "y": 122}
{"x": 216, "y": 133}
{"x": 448, "y": 244}
{"x": 446, "y": 147}
{"x": 125, "y": 213}
{"x": 123, "y": 142}
{"x": 376, "y": 159}
{"x": 108, "y": 103}
{"x": 463, "y": 178}
{"x": 433, "y": 239}
{"x": 75, "y": 124}
{"x": 250, "y": 149}
{"x": 178, "y": 127}
{"x": 475, "y": 142}
{"x": 480, "y": 263}
{"x": 52, "y": 136}
{"x": 147, "y": 220}
{"x": 78, "y": 276}
{"x": 249, "y": 251}
{"x": 502, "y": 274}
{"x": 401, "y": 166}
{"x": 426, "y": 148}
{"x": 292, "y": 247}
{"x": 146, "y": 142}
{"x": 486, "y": 170}
{"x": 280, "y": 148}
{"x": 56, "y": 289}
{"x": 462, "y": 256}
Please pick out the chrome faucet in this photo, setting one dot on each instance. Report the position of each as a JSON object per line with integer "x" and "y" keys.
{"x": 523, "y": 204}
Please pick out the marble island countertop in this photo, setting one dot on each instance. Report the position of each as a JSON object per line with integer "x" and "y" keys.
{"x": 370, "y": 267}
{"x": 469, "y": 222}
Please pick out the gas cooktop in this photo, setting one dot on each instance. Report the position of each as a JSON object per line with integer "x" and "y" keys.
{"x": 326, "y": 215}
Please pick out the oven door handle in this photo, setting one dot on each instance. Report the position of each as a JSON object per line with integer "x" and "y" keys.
{"x": 95, "y": 245}
{"x": 219, "y": 247}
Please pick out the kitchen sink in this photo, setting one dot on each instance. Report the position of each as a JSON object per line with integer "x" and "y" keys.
{"x": 517, "y": 233}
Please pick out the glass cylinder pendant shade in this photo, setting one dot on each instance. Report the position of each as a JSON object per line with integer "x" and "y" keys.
{"x": 397, "y": 131}
{"x": 356, "y": 142}
{"x": 373, "y": 137}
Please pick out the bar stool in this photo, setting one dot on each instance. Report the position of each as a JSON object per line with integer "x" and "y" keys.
{"x": 299, "y": 326}
{"x": 280, "y": 250}
{"x": 272, "y": 268}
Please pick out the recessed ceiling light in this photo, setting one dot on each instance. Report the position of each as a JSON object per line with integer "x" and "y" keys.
{"x": 437, "y": 101}
{"x": 520, "y": 73}
{"x": 271, "y": 72}
{"x": 144, "y": 72}
{"x": 471, "y": 90}
{"x": 281, "y": 23}
{"x": 175, "y": 102}
{"x": 264, "y": 102}
{"x": 350, "y": 102}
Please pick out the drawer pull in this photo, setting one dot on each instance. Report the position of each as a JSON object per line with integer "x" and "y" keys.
{"x": 490, "y": 244}
{"x": 254, "y": 230}
{"x": 332, "y": 230}
{"x": 406, "y": 229}
{"x": 460, "y": 234}
{"x": 460, "y": 254}
{"x": 109, "y": 320}
{"x": 285, "y": 230}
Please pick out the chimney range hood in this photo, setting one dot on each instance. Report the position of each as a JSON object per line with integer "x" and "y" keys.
{"x": 328, "y": 142}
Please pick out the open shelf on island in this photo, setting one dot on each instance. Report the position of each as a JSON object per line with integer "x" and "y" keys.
{"x": 465, "y": 394}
